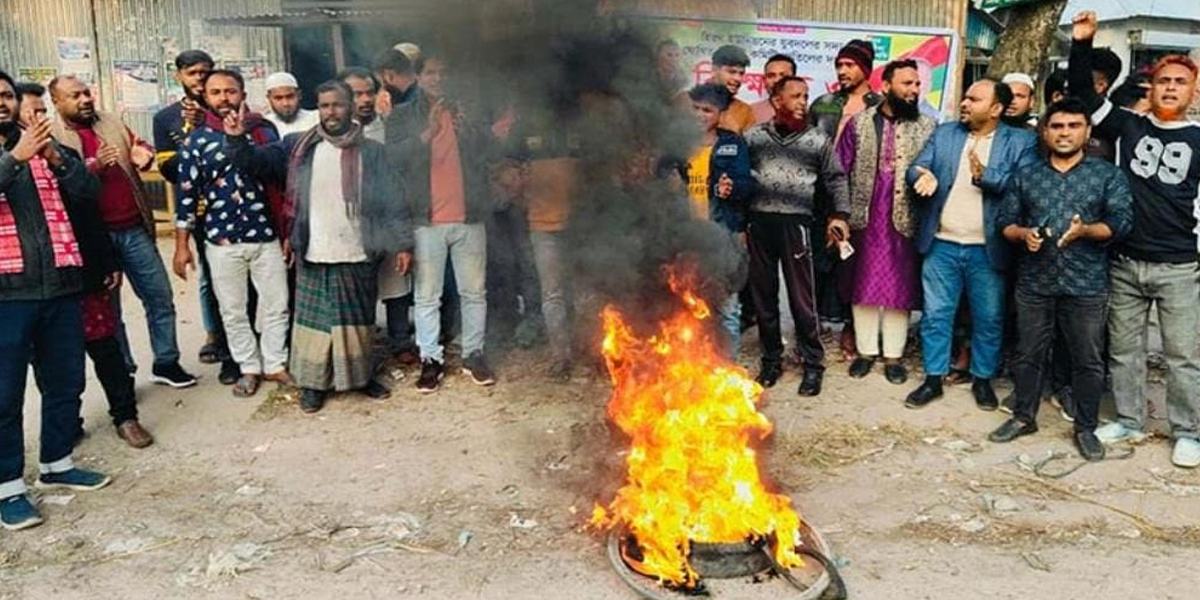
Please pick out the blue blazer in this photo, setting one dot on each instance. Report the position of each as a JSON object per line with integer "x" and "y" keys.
{"x": 1012, "y": 149}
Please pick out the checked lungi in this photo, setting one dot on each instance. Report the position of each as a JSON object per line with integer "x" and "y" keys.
{"x": 335, "y": 316}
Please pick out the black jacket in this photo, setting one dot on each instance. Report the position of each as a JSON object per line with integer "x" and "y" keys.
{"x": 386, "y": 219}
{"x": 476, "y": 149}
{"x": 41, "y": 280}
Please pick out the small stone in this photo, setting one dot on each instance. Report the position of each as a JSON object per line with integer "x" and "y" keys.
{"x": 249, "y": 490}
{"x": 519, "y": 523}
{"x": 1004, "y": 504}
{"x": 125, "y": 546}
{"x": 975, "y": 525}
{"x": 58, "y": 500}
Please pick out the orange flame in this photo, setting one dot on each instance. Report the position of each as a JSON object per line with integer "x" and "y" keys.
{"x": 691, "y": 416}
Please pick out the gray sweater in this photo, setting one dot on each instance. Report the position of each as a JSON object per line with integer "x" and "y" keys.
{"x": 790, "y": 168}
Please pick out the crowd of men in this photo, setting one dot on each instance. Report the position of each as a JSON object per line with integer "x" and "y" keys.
{"x": 1052, "y": 238}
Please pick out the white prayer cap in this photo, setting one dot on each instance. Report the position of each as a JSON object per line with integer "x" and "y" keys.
{"x": 1012, "y": 78}
{"x": 409, "y": 49}
{"x": 281, "y": 79}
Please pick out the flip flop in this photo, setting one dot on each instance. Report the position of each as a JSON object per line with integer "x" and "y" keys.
{"x": 210, "y": 354}
{"x": 246, "y": 386}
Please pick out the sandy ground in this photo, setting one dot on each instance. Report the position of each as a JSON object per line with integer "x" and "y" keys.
{"x": 481, "y": 493}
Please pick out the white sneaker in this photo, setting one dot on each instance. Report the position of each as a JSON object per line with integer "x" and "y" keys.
{"x": 1187, "y": 453}
{"x": 1113, "y": 433}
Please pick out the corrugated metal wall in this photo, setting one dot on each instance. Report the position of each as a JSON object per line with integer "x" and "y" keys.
{"x": 29, "y": 27}
{"x": 127, "y": 30}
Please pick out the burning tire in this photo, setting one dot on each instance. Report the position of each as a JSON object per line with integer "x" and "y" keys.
{"x": 817, "y": 579}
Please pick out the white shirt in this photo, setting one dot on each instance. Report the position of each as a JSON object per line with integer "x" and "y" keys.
{"x": 333, "y": 236}
{"x": 375, "y": 130}
{"x": 962, "y": 217}
{"x": 305, "y": 120}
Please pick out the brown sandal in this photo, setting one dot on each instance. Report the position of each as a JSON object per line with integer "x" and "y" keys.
{"x": 281, "y": 377}
{"x": 246, "y": 386}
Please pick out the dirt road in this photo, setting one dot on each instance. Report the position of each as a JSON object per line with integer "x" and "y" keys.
{"x": 481, "y": 493}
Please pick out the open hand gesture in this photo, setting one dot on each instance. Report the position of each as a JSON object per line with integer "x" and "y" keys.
{"x": 1074, "y": 232}
{"x": 140, "y": 156}
{"x": 926, "y": 184}
{"x": 107, "y": 155}
{"x": 383, "y": 103}
{"x": 976, "y": 165}
{"x": 34, "y": 141}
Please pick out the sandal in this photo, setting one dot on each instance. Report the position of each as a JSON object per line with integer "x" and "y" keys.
{"x": 957, "y": 376}
{"x": 282, "y": 378}
{"x": 210, "y": 354}
{"x": 246, "y": 386}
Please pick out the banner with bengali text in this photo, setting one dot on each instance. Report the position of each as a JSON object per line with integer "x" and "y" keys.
{"x": 814, "y": 47}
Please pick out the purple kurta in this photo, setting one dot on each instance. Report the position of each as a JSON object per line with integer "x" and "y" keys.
{"x": 886, "y": 264}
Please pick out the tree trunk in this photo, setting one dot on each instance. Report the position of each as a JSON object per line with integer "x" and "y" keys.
{"x": 1025, "y": 44}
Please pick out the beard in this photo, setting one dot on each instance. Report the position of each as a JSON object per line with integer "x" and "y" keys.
{"x": 1018, "y": 121}
{"x": 10, "y": 134}
{"x": 904, "y": 110}
{"x": 1167, "y": 114}
{"x": 790, "y": 121}
{"x": 335, "y": 127}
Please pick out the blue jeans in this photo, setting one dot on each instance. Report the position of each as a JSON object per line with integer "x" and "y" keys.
{"x": 729, "y": 313}
{"x": 465, "y": 246}
{"x": 143, "y": 267}
{"x": 549, "y": 254}
{"x": 48, "y": 334}
{"x": 948, "y": 269}
{"x": 208, "y": 316}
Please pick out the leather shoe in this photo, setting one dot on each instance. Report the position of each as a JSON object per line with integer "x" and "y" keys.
{"x": 985, "y": 396}
{"x": 929, "y": 391}
{"x": 1011, "y": 430}
{"x": 895, "y": 373}
{"x": 811, "y": 384}
{"x": 769, "y": 374}
{"x": 312, "y": 400}
{"x": 1089, "y": 446}
{"x": 861, "y": 366}
{"x": 376, "y": 390}
{"x": 230, "y": 372}
{"x": 134, "y": 434}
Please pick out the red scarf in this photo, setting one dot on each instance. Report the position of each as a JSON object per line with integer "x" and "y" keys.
{"x": 350, "y": 144}
{"x": 259, "y": 130}
{"x": 62, "y": 237}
